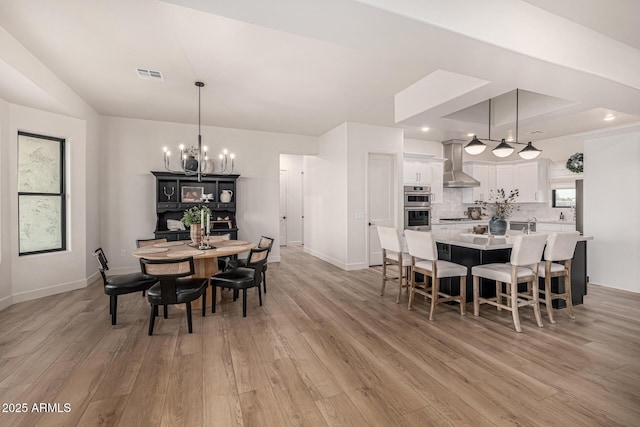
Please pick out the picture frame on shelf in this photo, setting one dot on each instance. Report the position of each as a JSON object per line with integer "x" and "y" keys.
{"x": 191, "y": 194}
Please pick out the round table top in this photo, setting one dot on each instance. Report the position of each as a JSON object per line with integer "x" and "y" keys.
{"x": 184, "y": 249}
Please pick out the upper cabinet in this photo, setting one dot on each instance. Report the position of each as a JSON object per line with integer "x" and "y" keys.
{"x": 425, "y": 170}
{"x": 486, "y": 175}
{"x": 529, "y": 177}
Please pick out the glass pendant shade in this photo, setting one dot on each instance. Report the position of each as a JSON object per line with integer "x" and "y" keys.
{"x": 529, "y": 152}
{"x": 503, "y": 149}
{"x": 475, "y": 146}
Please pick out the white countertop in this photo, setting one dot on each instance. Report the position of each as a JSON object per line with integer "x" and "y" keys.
{"x": 481, "y": 241}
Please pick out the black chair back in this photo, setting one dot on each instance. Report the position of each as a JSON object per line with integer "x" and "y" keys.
{"x": 265, "y": 242}
{"x": 168, "y": 272}
{"x": 257, "y": 259}
{"x": 102, "y": 263}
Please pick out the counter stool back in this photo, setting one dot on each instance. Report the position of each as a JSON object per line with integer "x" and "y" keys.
{"x": 523, "y": 268}
{"x": 424, "y": 260}
{"x": 392, "y": 254}
{"x": 557, "y": 263}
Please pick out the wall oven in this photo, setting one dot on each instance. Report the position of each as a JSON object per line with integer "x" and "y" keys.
{"x": 417, "y": 208}
{"x": 417, "y": 196}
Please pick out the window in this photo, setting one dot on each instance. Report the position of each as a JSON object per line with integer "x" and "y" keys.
{"x": 563, "y": 198}
{"x": 41, "y": 196}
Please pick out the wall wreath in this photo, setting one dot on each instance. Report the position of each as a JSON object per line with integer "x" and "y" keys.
{"x": 576, "y": 163}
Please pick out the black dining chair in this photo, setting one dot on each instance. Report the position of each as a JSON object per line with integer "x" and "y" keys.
{"x": 121, "y": 284}
{"x": 242, "y": 278}
{"x": 265, "y": 242}
{"x": 173, "y": 287}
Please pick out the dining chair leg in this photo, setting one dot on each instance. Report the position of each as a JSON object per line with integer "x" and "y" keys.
{"x": 434, "y": 297}
{"x": 189, "y": 319}
{"x": 260, "y": 295}
{"x": 536, "y": 303}
{"x": 514, "y": 306}
{"x": 113, "y": 307}
{"x": 214, "y": 290}
{"x": 463, "y": 295}
{"x": 547, "y": 297}
{"x": 152, "y": 319}
{"x": 476, "y": 296}
{"x": 155, "y": 310}
{"x": 264, "y": 281}
{"x": 144, "y": 293}
{"x": 165, "y": 309}
{"x": 235, "y": 295}
{"x": 204, "y": 301}
{"x": 244, "y": 302}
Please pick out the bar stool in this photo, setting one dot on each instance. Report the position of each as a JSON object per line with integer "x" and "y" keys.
{"x": 557, "y": 263}
{"x": 522, "y": 268}
{"x": 424, "y": 260}
{"x": 392, "y": 254}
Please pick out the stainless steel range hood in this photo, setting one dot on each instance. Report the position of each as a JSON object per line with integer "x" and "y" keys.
{"x": 453, "y": 175}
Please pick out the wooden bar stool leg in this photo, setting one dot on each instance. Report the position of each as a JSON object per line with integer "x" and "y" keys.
{"x": 567, "y": 289}
{"x": 463, "y": 295}
{"x": 536, "y": 303}
{"x": 411, "y": 291}
{"x": 547, "y": 296}
{"x": 499, "y": 294}
{"x": 476, "y": 296}
{"x": 514, "y": 305}
{"x": 384, "y": 273}
{"x": 434, "y": 296}
{"x": 399, "y": 279}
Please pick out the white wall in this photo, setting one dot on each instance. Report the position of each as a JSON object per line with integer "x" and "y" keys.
{"x": 293, "y": 166}
{"x": 611, "y": 203}
{"x": 5, "y": 241}
{"x": 33, "y": 276}
{"x": 419, "y": 146}
{"x": 325, "y": 198}
{"x": 361, "y": 141}
{"x": 335, "y": 190}
{"x": 133, "y": 148}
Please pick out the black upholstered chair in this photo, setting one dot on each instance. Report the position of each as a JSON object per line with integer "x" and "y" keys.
{"x": 120, "y": 285}
{"x": 265, "y": 242}
{"x": 141, "y": 243}
{"x": 173, "y": 287}
{"x": 242, "y": 278}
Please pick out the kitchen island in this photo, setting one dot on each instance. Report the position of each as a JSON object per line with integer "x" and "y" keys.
{"x": 471, "y": 249}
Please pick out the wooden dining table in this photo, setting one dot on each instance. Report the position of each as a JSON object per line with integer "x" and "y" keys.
{"x": 205, "y": 260}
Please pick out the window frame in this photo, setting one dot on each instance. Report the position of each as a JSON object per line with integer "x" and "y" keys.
{"x": 61, "y": 194}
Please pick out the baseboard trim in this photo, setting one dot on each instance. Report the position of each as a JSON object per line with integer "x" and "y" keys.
{"x": 357, "y": 266}
{"x": 6, "y": 302}
{"x": 49, "y": 290}
{"x": 326, "y": 258}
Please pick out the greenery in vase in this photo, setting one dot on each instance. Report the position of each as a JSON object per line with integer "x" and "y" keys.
{"x": 192, "y": 215}
{"x": 503, "y": 206}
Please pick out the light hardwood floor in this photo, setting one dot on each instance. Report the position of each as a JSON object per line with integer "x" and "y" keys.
{"x": 325, "y": 349}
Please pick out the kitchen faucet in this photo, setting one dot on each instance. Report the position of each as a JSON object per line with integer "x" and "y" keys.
{"x": 529, "y": 221}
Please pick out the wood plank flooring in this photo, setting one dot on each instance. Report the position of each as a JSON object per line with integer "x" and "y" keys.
{"x": 324, "y": 350}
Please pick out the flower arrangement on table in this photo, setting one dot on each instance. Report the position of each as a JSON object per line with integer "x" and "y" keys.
{"x": 193, "y": 215}
{"x": 503, "y": 206}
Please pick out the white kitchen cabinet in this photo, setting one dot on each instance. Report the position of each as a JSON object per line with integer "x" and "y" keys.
{"x": 550, "y": 227}
{"x": 532, "y": 181}
{"x": 416, "y": 171}
{"x": 425, "y": 171}
{"x": 486, "y": 175}
{"x": 505, "y": 177}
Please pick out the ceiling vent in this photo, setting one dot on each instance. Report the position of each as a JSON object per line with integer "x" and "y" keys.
{"x": 145, "y": 74}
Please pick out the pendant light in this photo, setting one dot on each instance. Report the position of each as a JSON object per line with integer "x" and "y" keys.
{"x": 503, "y": 149}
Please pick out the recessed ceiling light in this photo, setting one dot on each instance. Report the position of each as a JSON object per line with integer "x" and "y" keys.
{"x": 424, "y": 129}
{"x": 610, "y": 117}
{"x": 470, "y": 134}
{"x": 510, "y": 139}
{"x": 536, "y": 132}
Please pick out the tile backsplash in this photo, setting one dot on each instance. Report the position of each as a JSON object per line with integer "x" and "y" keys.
{"x": 452, "y": 207}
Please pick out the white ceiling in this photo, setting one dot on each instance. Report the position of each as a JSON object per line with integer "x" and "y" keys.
{"x": 303, "y": 66}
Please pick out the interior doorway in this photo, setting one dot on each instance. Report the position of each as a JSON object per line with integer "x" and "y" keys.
{"x": 381, "y": 182}
{"x": 291, "y": 200}
{"x": 283, "y": 207}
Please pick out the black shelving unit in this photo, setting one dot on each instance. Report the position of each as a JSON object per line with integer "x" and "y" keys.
{"x": 170, "y": 203}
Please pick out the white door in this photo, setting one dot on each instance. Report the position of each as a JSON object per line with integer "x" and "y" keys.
{"x": 381, "y": 195}
{"x": 283, "y": 208}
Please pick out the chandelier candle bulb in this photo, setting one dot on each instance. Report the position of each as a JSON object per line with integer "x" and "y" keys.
{"x": 208, "y": 223}
{"x": 202, "y": 218}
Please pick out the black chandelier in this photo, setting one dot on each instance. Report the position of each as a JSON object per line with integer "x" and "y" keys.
{"x": 503, "y": 149}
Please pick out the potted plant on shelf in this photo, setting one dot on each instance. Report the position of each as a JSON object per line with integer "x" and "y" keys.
{"x": 193, "y": 218}
{"x": 501, "y": 208}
